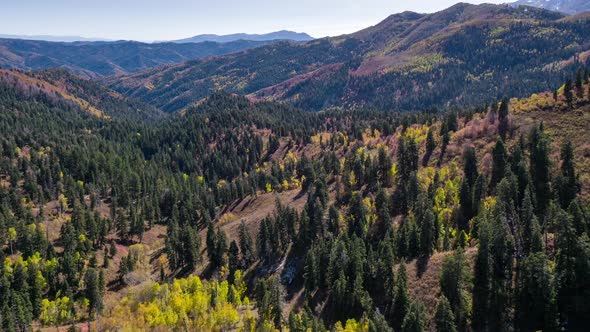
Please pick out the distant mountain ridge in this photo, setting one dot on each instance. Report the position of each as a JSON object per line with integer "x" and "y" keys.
{"x": 564, "y": 6}
{"x": 277, "y": 35}
{"x": 463, "y": 55}
{"x": 58, "y": 39}
{"x": 459, "y": 56}
{"x": 96, "y": 59}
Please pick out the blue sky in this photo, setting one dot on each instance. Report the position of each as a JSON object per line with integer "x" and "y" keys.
{"x": 173, "y": 19}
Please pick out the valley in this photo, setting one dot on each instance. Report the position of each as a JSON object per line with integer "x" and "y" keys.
{"x": 428, "y": 173}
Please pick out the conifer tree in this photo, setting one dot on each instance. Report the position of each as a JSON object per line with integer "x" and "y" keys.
{"x": 499, "y": 163}
{"x": 122, "y": 225}
{"x": 444, "y": 317}
{"x": 579, "y": 218}
{"x": 568, "y": 186}
{"x": 93, "y": 292}
{"x": 430, "y": 146}
{"x": 572, "y": 269}
{"x": 414, "y": 319}
{"x": 503, "y": 118}
{"x": 536, "y": 307}
{"x": 482, "y": 278}
{"x": 233, "y": 258}
{"x": 427, "y": 238}
{"x": 246, "y": 244}
{"x": 470, "y": 165}
{"x": 540, "y": 169}
{"x": 401, "y": 300}
{"x": 502, "y": 255}
{"x": 453, "y": 285}
{"x": 211, "y": 242}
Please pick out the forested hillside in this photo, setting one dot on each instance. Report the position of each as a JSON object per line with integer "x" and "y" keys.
{"x": 464, "y": 55}
{"x": 253, "y": 215}
{"x": 96, "y": 59}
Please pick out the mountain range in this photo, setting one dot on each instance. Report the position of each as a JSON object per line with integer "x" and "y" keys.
{"x": 454, "y": 57}
{"x": 459, "y": 56}
{"x": 95, "y": 59}
{"x": 59, "y": 39}
{"x": 389, "y": 179}
{"x": 564, "y": 6}
{"x": 278, "y": 35}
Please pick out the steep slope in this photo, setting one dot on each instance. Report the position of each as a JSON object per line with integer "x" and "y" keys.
{"x": 176, "y": 87}
{"x": 278, "y": 35}
{"x": 564, "y": 6}
{"x": 94, "y": 59}
{"x": 60, "y": 86}
{"x": 461, "y": 55}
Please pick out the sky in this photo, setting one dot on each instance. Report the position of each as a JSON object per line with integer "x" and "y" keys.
{"x": 149, "y": 20}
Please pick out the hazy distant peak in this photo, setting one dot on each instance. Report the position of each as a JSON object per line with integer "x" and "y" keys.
{"x": 564, "y": 6}
{"x": 277, "y": 35}
{"x": 64, "y": 39}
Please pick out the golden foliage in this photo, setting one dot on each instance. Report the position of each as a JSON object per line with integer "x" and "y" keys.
{"x": 186, "y": 304}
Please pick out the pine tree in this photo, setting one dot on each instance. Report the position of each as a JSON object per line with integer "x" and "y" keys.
{"x": 414, "y": 319}
{"x": 527, "y": 222}
{"x": 233, "y": 258}
{"x": 191, "y": 244}
{"x": 567, "y": 93}
{"x": 479, "y": 192}
{"x": 568, "y": 186}
{"x": 502, "y": 255}
{"x": 378, "y": 323}
{"x": 503, "y": 118}
{"x": 137, "y": 225}
{"x": 246, "y": 245}
{"x": 427, "y": 241}
{"x": 470, "y": 165}
{"x": 540, "y": 165}
{"x": 453, "y": 285}
{"x": 105, "y": 259}
{"x": 430, "y": 146}
{"x": 358, "y": 213}
{"x": 536, "y": 307}
{"x": 467, "y": 210}
{"x": 211, "y": 242}
{"x": 482, "y": 278}
{"x": 499, "y": 163}
{"x": 579, "y": 219}
{"x": 93, "y": 292}
{"x": 451, "y": 120}
{"x": 384, "y": 168}
{"x": 122, "y": 225}
{"x": 221, "y": 247}
{"x": 444, "y": 317}
{"x": 36, "y": 288}
{"x": 173, "y": 244}
{"x": 572, "y": 270}
{"x": 401, "y": 300}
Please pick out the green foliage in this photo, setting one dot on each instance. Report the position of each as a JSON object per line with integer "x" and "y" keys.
{"x": 444, "y": 317}
{"x": 414, "y": 320}
{"x": 536, "y": 307}
{"x": 454, "y": 284}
